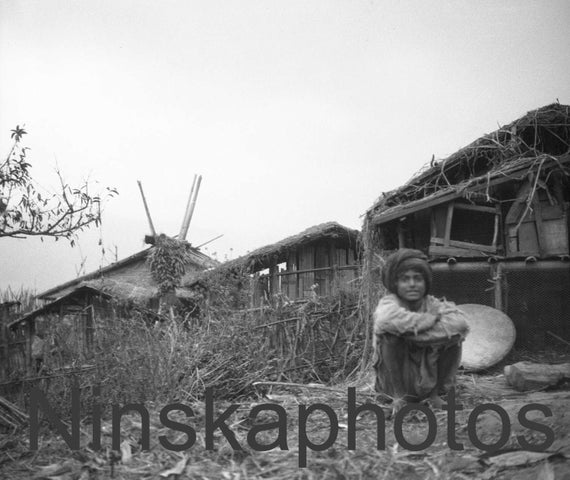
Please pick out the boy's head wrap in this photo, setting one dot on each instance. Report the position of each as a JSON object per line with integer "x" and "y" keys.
{"x": 401, "y": 261}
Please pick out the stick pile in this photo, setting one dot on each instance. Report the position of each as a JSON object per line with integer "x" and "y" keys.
{"x": 10, "y": 415}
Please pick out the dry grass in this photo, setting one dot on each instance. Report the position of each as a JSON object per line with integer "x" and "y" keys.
{"x": 540, "y": 134}
{"x": 25, "y": 296}
{"x": 135, "y": 361}
{"x": 336, "y": 462}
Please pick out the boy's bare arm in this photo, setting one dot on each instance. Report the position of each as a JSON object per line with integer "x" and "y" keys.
{"x": 390, "y": 317}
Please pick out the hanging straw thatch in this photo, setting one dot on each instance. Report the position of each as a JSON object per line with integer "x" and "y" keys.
{"x": 542, "y": 134}
{"x": 122, "y": 271}
{"x": 275, "y": 253}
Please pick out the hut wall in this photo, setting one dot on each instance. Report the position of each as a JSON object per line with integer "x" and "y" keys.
{"x": 289, "y": 282}
{"x": 8, "y": 311}
{"x": 18, "y": 358}
{"x": 503, "y": 198}
{"x": 533, "y": 295}
{"x": 58, "y": 335}
{"x": 420, "y": 230}
{"x": 323, "y": 278}
{"x": 465, "y": 230}
{"x": 543, "y": 230}
{"x": 347, "y": 269}
{"x": 135, "y": 273}
{"x": 306, "y": 258}
{"x": 323, "y": 268}
{"x": 463, "y": 283}
{"x": 537, "y": 300}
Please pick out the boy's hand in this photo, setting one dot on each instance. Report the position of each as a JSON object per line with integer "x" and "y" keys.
{"x": 435, "y": 311}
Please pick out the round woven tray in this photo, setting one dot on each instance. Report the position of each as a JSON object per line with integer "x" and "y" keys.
{"x": 491, "y": 336}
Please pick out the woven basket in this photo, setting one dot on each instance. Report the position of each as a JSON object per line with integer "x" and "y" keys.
{"x": 491, "y": 336}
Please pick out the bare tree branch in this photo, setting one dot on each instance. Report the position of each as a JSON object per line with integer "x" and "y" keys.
{"x": 25, "y": 212}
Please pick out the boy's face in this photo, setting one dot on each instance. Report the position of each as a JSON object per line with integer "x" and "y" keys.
{"x": 411, "y": 286}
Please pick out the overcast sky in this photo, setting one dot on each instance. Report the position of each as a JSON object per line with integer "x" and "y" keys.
{"x": 294, "y": 112}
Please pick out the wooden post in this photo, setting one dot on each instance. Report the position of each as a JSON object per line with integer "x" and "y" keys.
{"x": 497, "y": 276}
{"x": 496, "y": 227}
{"x": 30, "y": 334}
{"x": 273, "y": 282}
{"x": 209, "y": 241}
{"x": 448, "y": 225}
{"x": 297, "y": 286}
{"x": 333, "y": 272}
{"x": 292, "y": 280}
{"x": 401, "y": 236}
{"x": 539, "y": 227}
{"x": 5, "y": 358}
{"x": 188, "y": 216}
{"x": 366, "y": 312}
{"x": 152, "y": 230}
{"x": 253, "y": 290}
{"x": 188, "y": 204}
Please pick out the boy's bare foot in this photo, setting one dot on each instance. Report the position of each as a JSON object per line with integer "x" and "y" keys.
{"x": 436, "y": 402}
{"x": 397, "y": 406}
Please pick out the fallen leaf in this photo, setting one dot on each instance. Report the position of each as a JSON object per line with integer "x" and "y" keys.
{"x": 177, "y": 469}
{"x": 519, "y": 457}
{"x": 85, "y": 475}
{"x": 126, "y": 453}
{"x": 54, "y": 469}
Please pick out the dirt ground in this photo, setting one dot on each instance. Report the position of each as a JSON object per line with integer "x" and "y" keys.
{"x": 54, "y": 460}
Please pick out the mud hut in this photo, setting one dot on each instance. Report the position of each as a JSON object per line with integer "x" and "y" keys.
{"x": 130, "y": 277}
{"x": 26, "y": 335}
{"x": 493, "y": 219}
{"x": 124, "y": 288}
{"x": 74, "y": 318}
{"x": 321, "y": 261}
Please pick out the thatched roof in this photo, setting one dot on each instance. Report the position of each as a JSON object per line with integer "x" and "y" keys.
{"x": 541, "y": 138}
{"x": 105, "y": 289}
{"x": 54, "y": 307}
{"x": 131, "y": 290}
{"x": 120, "y": 290}
{"x": 123, "y": 290}
{"x": 277, "y": 252}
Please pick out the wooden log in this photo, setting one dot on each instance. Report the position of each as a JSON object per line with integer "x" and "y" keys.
{"x": 454, "y": 251}
{"x": 476, "y": 208}
{"x": 524, "y": 376}
{"x": 470, "y": 246}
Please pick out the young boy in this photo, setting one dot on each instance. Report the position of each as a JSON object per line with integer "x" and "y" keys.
{"x": 417, "y": 338}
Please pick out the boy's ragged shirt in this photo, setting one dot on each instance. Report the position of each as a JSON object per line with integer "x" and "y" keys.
{"x": 435, "y": 321}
